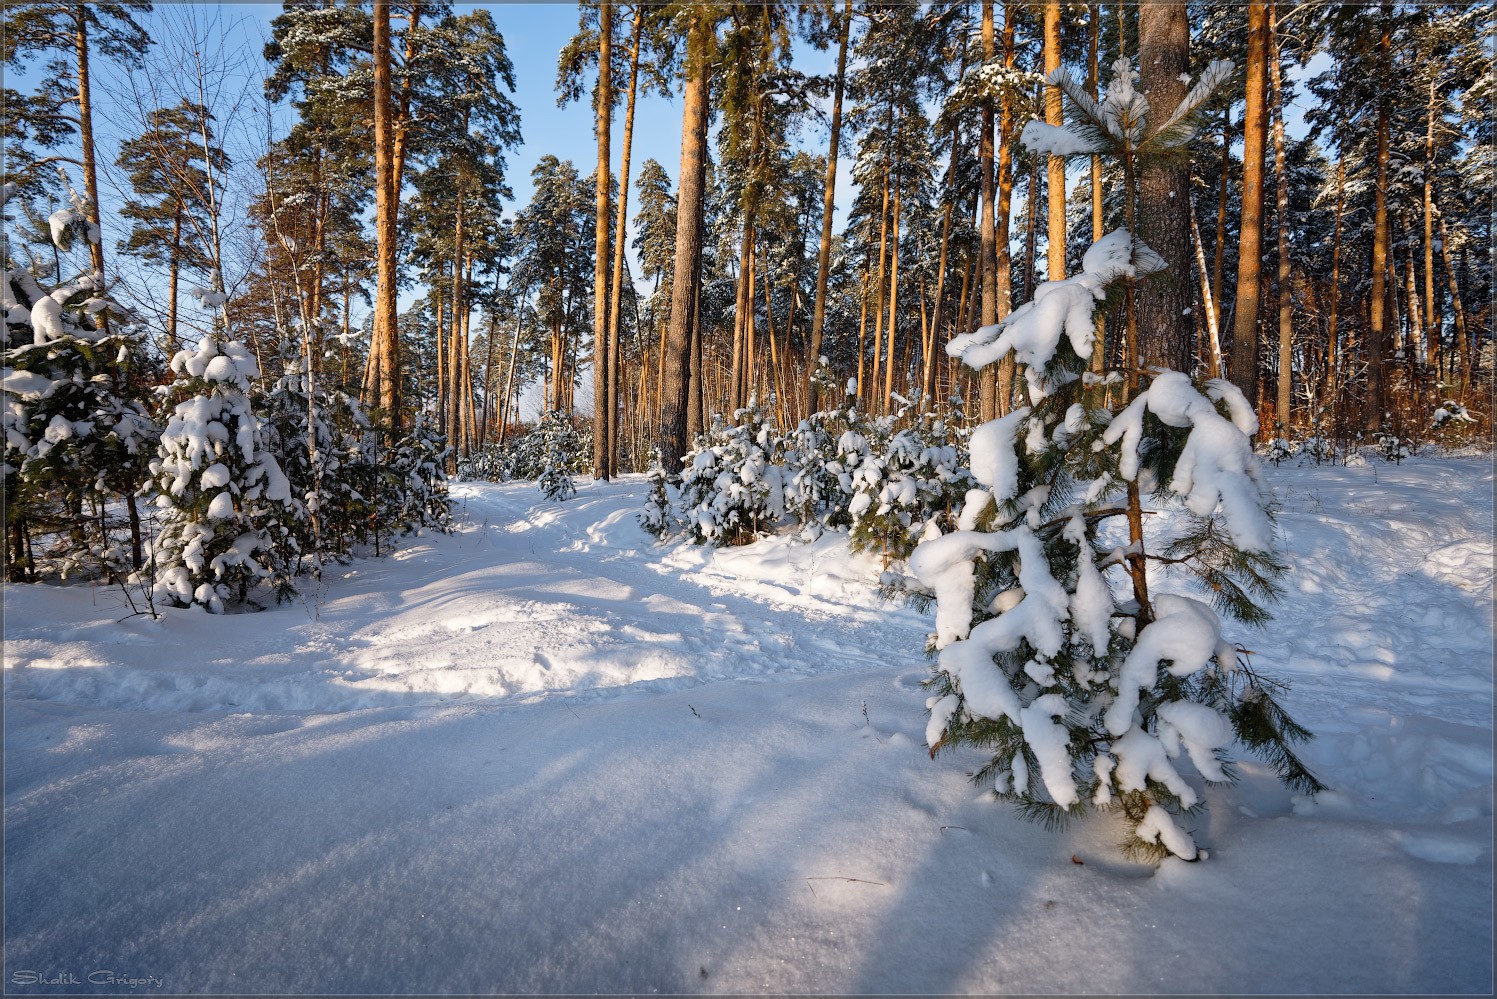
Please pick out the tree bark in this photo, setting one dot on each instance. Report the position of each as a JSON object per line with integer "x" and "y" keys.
{"x": 1285, "y": 396}
{"x": 987, "y": 238}
{"x": 621, "y": 234}
{"x": 1003, "y": 282}
{"x": 86, "y": 133}
{"x": 1245, "y": 342}
{"x": 602, "y": 362}
{"x": 1462, "y": 347}
{"x": 384, "y": 392}
{"x": 824, "y": 254}
{"x": 1055, "y": 183}
{"x": 1164, "y": 191}
{"x": 676, "y": 381}
{"x": 1377, "y": 331}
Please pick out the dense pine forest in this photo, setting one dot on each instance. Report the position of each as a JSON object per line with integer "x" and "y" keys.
{"x": 383, "y": 305}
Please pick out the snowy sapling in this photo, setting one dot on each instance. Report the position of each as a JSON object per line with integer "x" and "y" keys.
{"x": 1059, "y": 650}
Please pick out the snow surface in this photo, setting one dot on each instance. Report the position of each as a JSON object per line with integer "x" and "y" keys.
{"x": 541, "y": 755}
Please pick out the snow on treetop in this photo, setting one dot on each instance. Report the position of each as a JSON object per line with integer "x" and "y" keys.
{"x": 1117, "y": 122}
{"x": 1059, "y": 308}
{"x": 230, "y": 363}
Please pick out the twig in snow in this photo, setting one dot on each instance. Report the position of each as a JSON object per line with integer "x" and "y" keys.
{"x": 836, "y": 877}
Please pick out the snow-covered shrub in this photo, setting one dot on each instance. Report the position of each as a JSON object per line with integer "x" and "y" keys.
{"x": 485, "y": 464}
{"x": 822, "y": 457}
{"x": 1393, "y": 448}
{"x": 292, "y": 424}
{"x": 657, "y": 516}
{"x": 1317, "y": 448}
{"x": 414, "y": 470}
{"x": 1280, "y": 450}
{"x": 227, "y": 512}
{"x": 1089, "y": 682}
{"x": 555, "y": 441}
{"x": 1453, "y": 424}
{"x": 343, "y": 504}
{"x": 555, "y": 481}
{"x": 76, "y": 438}
{"x": 912, "y": 484}
{"x": 731, "y": 488}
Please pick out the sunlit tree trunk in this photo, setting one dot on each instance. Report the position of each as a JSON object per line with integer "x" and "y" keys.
{"x": 1164, "y": 192}
{"x": 1245, "y": 342}
{"x": 1285, "y": 397}
{"x": 988, "y": 252}
{"x": 824, "y": 254}
{"x": 1055, "y": 185}
{"x": 676, "y": 381}
{"x": 602, "y": 362}
{"x": 1377, "y": 322}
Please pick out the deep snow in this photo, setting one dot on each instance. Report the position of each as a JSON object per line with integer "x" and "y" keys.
{"x": 541, "y": 755}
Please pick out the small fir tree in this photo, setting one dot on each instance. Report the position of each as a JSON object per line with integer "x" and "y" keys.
{"x": 657, "y": 516}
{"x": 1058, "y": 652}
{"x": 227, "y": 511}
{"x": 731, "y": 487}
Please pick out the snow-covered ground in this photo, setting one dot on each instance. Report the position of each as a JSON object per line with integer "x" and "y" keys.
{"x": 540, "y": 755}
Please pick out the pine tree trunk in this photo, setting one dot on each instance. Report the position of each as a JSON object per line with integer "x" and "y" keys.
{"x": 988, "y": 392}
{"x": 928, "y": 373}
{"x": 870, "y": 398}
{"x": 1093, "y": 76}
{"x": 824, "y": 254}
{"x": 1214, "y": 348}
{"x": 621, "y": 234}
{"x": 696, "y": 401}
{"x": 1333, "y": 351}
{"x": 1285, "y": 396}
{"x": 1377, "y": 332}
{"x": 1218, "y": 266}
{"x": 455, "y": 344}
{"x": 1417, "y": 353}
{"x": 384, "y": 393}
{"x": 1164, "y": 192}
{"x": 1055, "y": 185}
{"x": 1245, "y": 341}
{"x": 86, "y": 134}
{"x": 676, "y": 380}
{"x": 174, "y": 268}
{"x": 1462, "y": 346}
{"x": 1003, "y": 278}
{"x": 893, "y": 307}
{"x": 602, "y": 362}
{"x": 1431, "y": 306}
{"x": 1031, "y": 226}
{"x": 442, "y": 366}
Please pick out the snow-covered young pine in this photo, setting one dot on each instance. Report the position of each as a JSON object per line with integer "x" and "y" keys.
{"x": 226, "y": 506}
{"x": 75, "y": 439}
{"x": 732, "y": 489}
{"x": 1076, "y": 651}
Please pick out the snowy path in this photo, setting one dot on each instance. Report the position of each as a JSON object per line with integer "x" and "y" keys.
{"x": 540, "y": 756}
